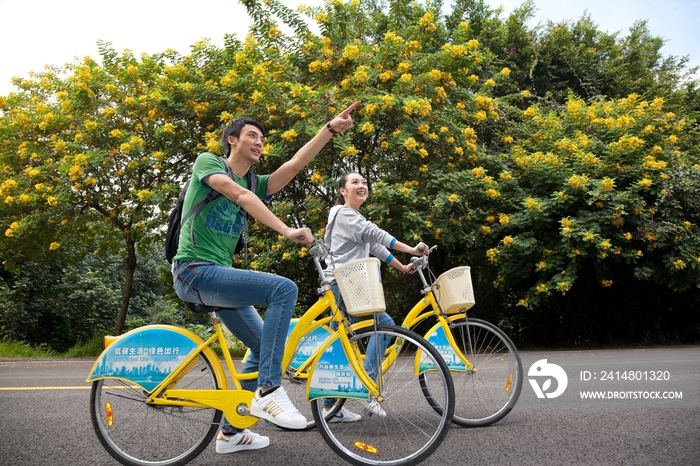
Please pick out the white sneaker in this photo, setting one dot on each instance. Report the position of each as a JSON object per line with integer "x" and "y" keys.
{"x": 278, "y": 409}
{"x": 344, "y": 415}
{"x": 244, "y": 440}
{"x": 374, "y": 407}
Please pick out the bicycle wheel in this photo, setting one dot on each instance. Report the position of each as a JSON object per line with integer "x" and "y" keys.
{"x": 410, "y": 429}
{"x": 488, "y": 392}
{"x": 138, "y": 434}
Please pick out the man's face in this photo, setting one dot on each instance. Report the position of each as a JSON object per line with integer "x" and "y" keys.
{"x": 249, "y": 144}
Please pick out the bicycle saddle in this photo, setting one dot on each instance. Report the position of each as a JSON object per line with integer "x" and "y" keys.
{"x": 200, "y": 308}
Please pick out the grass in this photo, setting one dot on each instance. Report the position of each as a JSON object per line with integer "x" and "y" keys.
{"x": 20, "y": 349}
{"x": 90, "y": 349}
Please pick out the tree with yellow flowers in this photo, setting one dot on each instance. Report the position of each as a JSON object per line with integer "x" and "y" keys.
{"x": 91, "y": 162}
{"x": 551, "y": 202}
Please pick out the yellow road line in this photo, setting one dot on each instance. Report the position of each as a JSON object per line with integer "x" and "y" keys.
{"x": 6, "y": 389}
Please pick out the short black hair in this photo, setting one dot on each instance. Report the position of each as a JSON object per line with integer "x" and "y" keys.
{"x": 234, "y": 129}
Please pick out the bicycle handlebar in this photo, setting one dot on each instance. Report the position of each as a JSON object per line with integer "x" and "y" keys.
{"x": 421, "y": 262}
{"x": 319, "y": 249}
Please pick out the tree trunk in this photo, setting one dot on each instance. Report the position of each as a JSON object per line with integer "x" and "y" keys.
{"x": 128, "y": 285}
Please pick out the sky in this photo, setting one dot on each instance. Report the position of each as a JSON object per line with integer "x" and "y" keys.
{"x": 34, "y": 33}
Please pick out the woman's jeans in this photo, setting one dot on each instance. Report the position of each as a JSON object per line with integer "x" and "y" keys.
{"x": 236, "y": 291}
{"x": 371, "y": 363}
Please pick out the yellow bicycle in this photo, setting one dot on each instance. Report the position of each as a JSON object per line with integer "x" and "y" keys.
{"x": 485, "y": 365}
{"x": 158, "y": 392}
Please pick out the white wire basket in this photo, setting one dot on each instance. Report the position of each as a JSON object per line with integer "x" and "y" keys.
{"x": 453, "y": 290}
{"x": 360, "y": 284}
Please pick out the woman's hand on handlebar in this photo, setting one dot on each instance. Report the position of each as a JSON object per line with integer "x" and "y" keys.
{"x": 410, "y": 268}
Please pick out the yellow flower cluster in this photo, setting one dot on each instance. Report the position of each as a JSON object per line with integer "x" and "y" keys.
{"x": 361, "y": 75}
{"x": 607, "y": 184}
{"x": 393, "y": 37}
{"x": 316, "y": 177}
{"x": 14, "y": 227}
{"x": 7, "y": 185}
{"x": 532, "y": 204}
{"x": 566, "y": 222}
{"x": 492, "y": 254}
{"x": 410, "y": 144}
{"x": 427, "y": 22}
{"x": 650, "y": 163}
{"x": 385, "y": 76}
{"x": 419, "y": 107}
{"x": 578, "y": 182}
{"x": 492, "y": 193}
{"x": 388, "y": 101}
{"x": 289, "y": 135}
{"x": 625, "y": 144}
{"x": 537, "y": 159}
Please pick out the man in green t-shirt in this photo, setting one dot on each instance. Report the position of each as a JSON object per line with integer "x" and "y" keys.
{"x": 203, "y": 271}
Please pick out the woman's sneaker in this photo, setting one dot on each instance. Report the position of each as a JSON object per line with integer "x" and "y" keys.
{"x": 244, "y": 440}
{"x": 344, "y": 415}
{"x": 278, "y": 409}
{"x": 374, "y": 407}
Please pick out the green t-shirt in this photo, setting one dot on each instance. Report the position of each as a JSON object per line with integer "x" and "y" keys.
{"x": 218, "y": 227}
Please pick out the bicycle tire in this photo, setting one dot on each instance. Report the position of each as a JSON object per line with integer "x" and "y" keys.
{"x": 411, "y": 430}
{"x": 141, "y": 434}
{"x": 489, "y": 392}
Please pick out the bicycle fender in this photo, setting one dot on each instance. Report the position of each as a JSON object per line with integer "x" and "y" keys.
{"x": 332, "y": 376}
{"x": 436, "y": 336}
{"x": 306, "y": 347}
{"x": 147, "y": 355}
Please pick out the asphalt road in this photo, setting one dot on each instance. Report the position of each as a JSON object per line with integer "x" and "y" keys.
{"x": 651, "y": 415}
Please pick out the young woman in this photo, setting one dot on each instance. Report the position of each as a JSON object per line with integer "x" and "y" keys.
{"x": 350, "y": 236}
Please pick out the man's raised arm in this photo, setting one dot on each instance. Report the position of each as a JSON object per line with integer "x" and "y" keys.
{"x": 289, "y": 169}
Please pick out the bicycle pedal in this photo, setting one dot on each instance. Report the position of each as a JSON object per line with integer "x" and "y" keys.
{"x": 243, "y": 410}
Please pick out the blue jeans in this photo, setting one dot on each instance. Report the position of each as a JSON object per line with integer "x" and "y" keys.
{"x": 371, "y": 363}
{"x": 236, "y": 291}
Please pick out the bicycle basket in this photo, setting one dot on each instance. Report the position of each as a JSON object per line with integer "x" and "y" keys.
{"x": 360, "y": 284}
{"x": 453, "y": 290}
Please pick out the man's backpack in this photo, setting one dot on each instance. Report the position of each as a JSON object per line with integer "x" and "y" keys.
{"x": 176, "y": 220}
